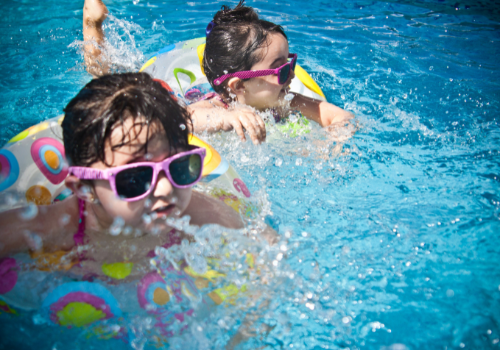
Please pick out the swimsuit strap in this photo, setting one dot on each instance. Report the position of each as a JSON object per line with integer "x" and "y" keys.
{"x": 78, "y": 236}
{"x": 214, "y": 95}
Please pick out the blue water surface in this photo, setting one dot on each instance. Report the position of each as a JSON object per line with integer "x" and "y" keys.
{"x": 394, "y": 233}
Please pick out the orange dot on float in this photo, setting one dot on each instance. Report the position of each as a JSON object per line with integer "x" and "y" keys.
{"x": 52, "y": 159}
{"x": 38, "y": 195}
{"x": 161, "y": 296}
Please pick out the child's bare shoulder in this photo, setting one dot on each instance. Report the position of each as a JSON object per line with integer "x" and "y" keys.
{"x": 204, "y": 209}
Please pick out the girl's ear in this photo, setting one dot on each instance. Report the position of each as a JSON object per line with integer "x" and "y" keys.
{"x": 236, "y": 86}
{"x": 80, "y": 189}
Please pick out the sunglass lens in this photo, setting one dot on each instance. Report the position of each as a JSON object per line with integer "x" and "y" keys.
{"x": 284, "y": 73}
{"x": 186, "y": 170}
{"x": 294, "y": 64}
{"x": 133, "y": 182}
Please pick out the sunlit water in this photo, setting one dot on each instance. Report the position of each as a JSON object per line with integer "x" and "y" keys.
{"x": 392, "y": 237}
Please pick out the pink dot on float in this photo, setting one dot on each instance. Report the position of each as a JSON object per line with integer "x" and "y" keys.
{"x": 8, "y": 274}
{"x": 240, "y": 186}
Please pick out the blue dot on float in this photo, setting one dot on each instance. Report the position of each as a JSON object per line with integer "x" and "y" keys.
{"x": 9, "y": 172}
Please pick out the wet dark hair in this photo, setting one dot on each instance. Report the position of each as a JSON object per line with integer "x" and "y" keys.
{"x": 106, "y": 103}
{"x": 232, "y": 44}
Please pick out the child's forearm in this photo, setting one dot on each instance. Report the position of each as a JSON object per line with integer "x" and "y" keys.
{"x": 31, "y": 228}
{"x": 205, "y": 119}
{"x": 94, "y": 13}
{"x": 323, "y": 113}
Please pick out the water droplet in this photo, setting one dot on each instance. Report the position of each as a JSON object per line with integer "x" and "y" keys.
{"x": 182, "y": 126}
{"x": 33, "y": 240}
{"x": 64, "y": 219}
{"x": 146, "y": 219}
{"x": 450, "y": 293}
{"x": 431, "y": 68}
{"x": 289, "y": 96}
{"x": 346, "y": 319}
{"x": 298, "y": 162}
{"x": 278, "y": 162}
{"x": 148, "y": 156}
{"x": 116, "y": 227}
{"x": 225, "y": 71}
{"x": 29, "y": 213}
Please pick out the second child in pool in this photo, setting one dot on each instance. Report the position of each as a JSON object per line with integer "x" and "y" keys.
{"x": 247, "y": 60}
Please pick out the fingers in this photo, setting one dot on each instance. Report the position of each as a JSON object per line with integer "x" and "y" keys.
{"x": 245, "y": 119}
{"x": 239, "y": 130}
{"x": 254, "y": 125}
{"x": 250, "y": 128}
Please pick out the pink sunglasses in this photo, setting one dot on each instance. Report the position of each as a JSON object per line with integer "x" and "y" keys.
{"x": 283, "y": 72}
{"x": 135, "y": 181}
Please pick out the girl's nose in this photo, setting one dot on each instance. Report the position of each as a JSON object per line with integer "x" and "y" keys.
{"x": 163, "y": 186}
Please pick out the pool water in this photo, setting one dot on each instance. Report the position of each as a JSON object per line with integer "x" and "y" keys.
{"x": 392, "y": 235}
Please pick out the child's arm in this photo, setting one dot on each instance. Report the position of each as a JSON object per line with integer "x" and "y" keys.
{"x": 212, "y": 117}
{"x": 94, "y": 13}
{"x": 207, "y": 210}
{"x": 323, "y": 113}
{"x": 52, "y": 226}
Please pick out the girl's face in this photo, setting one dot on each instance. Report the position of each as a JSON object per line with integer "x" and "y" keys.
{"x": 164, "y": 200}
{"x": 265, "y": 92}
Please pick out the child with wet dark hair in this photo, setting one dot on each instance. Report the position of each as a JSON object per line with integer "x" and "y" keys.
{"x": 247, "y": 61}
{"x": 126, "y": 142}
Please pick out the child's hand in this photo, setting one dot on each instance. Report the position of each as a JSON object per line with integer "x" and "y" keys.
{"x": 212, "y": 117}
{"x": 245, "y": 118}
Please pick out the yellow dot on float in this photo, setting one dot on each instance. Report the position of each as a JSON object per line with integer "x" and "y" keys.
{"x": 118, "y": 271}
{"x": 52, "y": 159}
{"x": 79, "y": 314}
{"x": 161, "y": 296}
{"x": 38, "y": 195}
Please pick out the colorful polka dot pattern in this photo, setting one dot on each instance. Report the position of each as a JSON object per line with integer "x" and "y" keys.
{"x": 9, "y": 169}
{"x": 48, "y": 155}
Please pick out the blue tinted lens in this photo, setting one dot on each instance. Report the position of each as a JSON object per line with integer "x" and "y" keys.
{"x": 133, "y": 182}
{"x": 284, "y": 73}
{"x": 186, "y": 170}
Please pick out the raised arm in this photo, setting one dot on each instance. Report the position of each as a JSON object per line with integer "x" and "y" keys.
{"x": 94, "y": 13}
{"x": 324, "y": 113}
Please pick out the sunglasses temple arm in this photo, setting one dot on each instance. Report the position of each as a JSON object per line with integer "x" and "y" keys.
{"x": 87, "y": 173}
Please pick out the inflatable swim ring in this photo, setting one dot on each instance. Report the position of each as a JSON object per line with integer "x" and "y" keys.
{"x": 33, "y": 169}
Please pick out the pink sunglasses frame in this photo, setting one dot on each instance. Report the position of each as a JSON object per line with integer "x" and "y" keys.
{"x": 247, "y": 74}
{"x": 85, "y": 173}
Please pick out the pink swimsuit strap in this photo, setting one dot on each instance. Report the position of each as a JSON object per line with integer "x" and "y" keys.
{"x": 78, "y": 236}
{"x": 216, "y": 96}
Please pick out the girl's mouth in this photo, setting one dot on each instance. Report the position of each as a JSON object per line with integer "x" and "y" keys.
{"x": 286, "y": 89}
{"x": 165, "y": 210}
